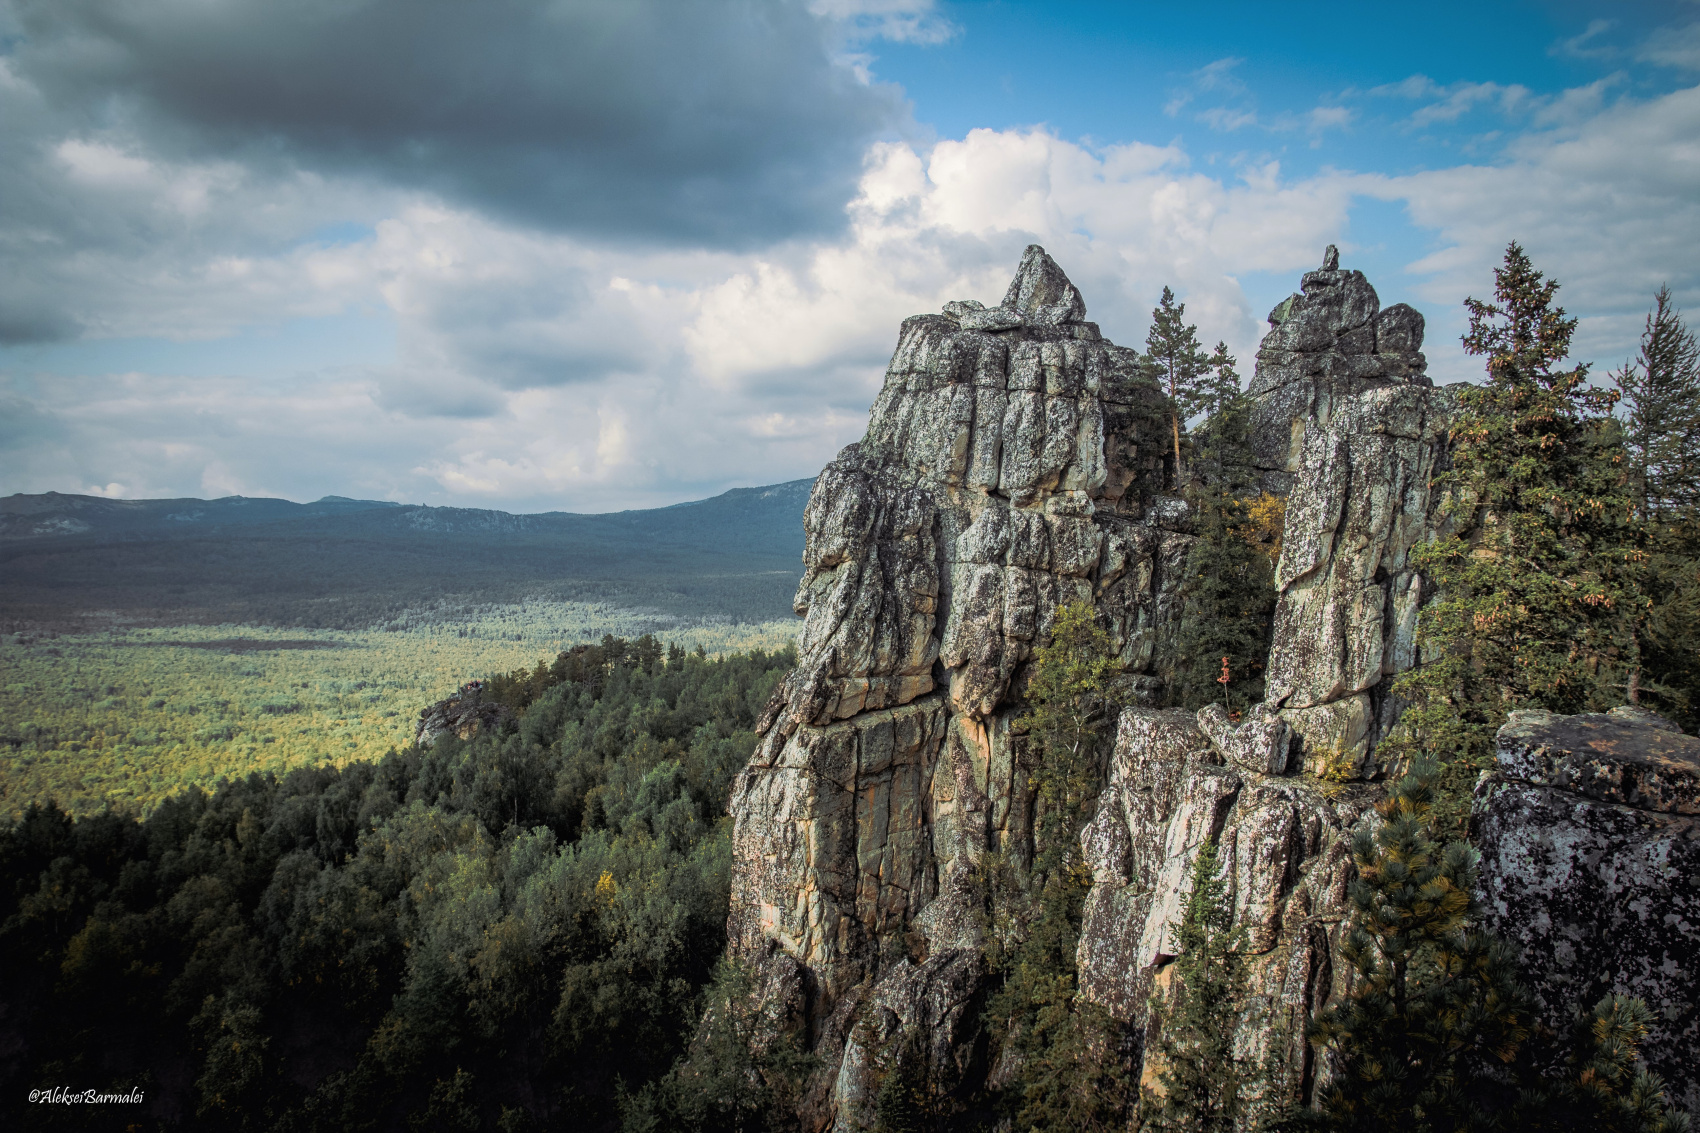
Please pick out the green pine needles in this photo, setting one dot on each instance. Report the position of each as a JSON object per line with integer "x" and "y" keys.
{"x": 1438, "y": 1034}
{"x": 1435, "y": 1007}
{"x": 1540, "y": 594}
{"x": 1228, "y": 592}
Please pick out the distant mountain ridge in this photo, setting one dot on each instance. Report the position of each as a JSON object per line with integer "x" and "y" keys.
{"x": 49, "y": 515}
{"x": 340, "y": 562}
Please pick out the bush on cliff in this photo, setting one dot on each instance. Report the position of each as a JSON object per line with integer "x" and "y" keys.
{"x": 1063, "y": 1060}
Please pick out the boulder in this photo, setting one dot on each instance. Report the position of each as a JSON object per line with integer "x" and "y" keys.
{"x": 1589, "y": 830}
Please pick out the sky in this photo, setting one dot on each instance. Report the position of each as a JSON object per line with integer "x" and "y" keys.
{"x": 589, "y": 255}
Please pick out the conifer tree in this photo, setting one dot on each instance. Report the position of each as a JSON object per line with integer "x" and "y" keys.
{"x": 1536, "y": 600}
{"x": 1066, "y": 720}
{"x": 1660, "y": 392}
{"x": 1071, "y": 1070}
{"x": 1438, "y": 1034}
{"x": 1199, "y": 1076}
{"x": 1180, "y": 366}
{"x": 1228, "y": 592}
{"x": 1660, "y": 389}
{"x": 1435, "y": 1006}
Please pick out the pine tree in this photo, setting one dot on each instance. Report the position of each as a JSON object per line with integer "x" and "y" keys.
{"x": 1071, "y": 1069}
{"x": 1536, "y": 605}
{"x": 1435, "y": 1007}
{"x": 1437, "y": 1033}
{"x": 1180, "y": 366}
{"x": 1199, "y": 1077}
{"x": 1066, "y": 720}
{"x": 1660, "y": 389}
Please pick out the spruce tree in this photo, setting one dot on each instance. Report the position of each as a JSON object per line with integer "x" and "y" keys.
{"x": 1071, "y": 1071}
{"x": 1228, "y": 591}
{"x": 1437, "y": 1033}
{"x": 1660, "y": 391}
{"x": 1180, "y": 366}
{"x": 1199, "y": 1077}
{"x": 1066, "y": 720}
{"x": 1538, "y": 598}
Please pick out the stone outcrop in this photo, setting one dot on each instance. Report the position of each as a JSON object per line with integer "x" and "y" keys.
{"x": 1014, "y": 461}
{"x": 464, "y": 714}
{"x": 1283, "y": 852}
{"x": 1589, "y": 829}
{"x": 1348, "y": 426}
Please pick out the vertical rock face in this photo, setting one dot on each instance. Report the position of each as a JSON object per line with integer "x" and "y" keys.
{"x": 1013, "y": 463}
{"x": 1589, "y": 831}
{"x": 1283, "y": 852}
{"x": 1346, "y": 423}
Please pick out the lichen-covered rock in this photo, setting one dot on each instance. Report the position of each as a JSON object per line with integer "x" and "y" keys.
{"x": 1014, "y": 462}
{"x": 1347, "y": 427}
{"x": 1326, "y": 344}
{"x": 1589, "y": 830}
{"x": 1282, "y": 853}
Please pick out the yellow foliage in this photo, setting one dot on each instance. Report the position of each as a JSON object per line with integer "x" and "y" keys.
{"x": 1266, "y": 516}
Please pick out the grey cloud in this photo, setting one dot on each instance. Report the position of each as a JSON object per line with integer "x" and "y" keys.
{"x": 726, "y": 123}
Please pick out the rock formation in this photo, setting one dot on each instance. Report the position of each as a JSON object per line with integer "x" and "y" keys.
{"x": 1283, "y": 849}
{"x": 1015, "y": 461}
{"x": 1589, "y": 830}
{"x": 1346, "y": 423}
{"x": 465, "y": 714}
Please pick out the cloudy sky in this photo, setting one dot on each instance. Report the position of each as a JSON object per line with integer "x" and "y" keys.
{"x": 598, "y": 254}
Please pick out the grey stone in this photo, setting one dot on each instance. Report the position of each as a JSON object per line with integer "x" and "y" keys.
{"x": 1013, "y": 462}
{"x": 1589, "y": 831}
{"x": 1041, "y": 293}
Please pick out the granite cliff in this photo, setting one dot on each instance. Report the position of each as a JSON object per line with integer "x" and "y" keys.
{"x": 1015, "y": 461}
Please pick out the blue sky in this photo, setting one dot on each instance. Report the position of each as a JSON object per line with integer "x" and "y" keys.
{"x": 592, "y": 255}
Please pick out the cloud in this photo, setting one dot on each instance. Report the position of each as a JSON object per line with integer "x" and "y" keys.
{"x": 1606, "y": 205}
{"x": 1677, "y": 47}
{"x": 1583, "y": 46}
{"x": 536, "y": 369}
{"x": 1215, "y": 78}
{"x": 728, "y": 124}
{"x": 900, "y": 21}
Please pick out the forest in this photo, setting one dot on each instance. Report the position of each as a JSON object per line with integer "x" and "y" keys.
{"x": 513, "y": 932}
{"x": 125, "y": 717}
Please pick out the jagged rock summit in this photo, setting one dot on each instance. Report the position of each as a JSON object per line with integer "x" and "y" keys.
{"x": 1015, "y": 461}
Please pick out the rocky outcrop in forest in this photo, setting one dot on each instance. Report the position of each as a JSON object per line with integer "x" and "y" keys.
{"x": 464, "y": 714}
{"x": 1015, "y": 461}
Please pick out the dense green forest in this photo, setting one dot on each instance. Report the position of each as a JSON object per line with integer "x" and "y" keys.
{"x": 504, "y": 933}
{"x": 72, "y": 562}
